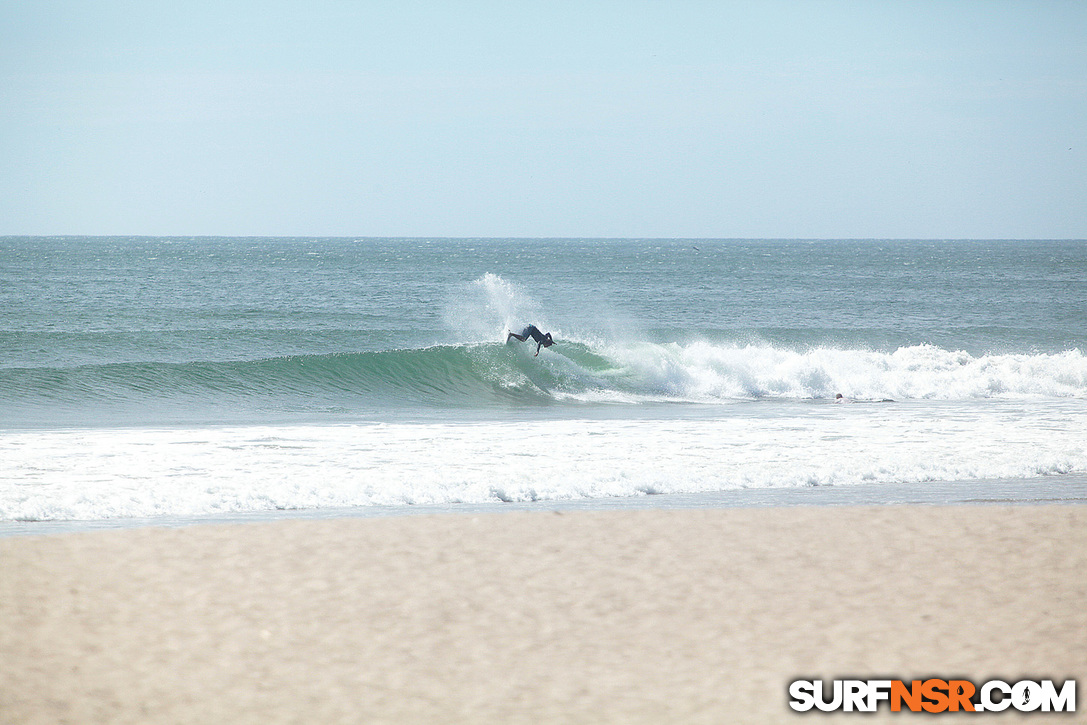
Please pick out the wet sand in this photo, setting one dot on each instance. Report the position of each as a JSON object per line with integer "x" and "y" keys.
{"x": 648, "y": 616}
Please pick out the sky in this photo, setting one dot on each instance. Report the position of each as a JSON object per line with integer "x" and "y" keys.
{"x": 544, "y": 119}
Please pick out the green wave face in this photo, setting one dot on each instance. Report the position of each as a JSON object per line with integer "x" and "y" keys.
{"x": 474, "y": 374}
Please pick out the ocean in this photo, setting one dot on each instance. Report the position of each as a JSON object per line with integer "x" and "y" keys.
{"x": 165, "y": 379}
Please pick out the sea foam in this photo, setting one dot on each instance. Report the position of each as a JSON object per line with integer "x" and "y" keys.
{"x": 102, "y": 473}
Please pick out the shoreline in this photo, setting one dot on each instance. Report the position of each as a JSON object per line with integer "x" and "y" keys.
{"x": 661, "y": 615}
{"x": 1064, "y": 489}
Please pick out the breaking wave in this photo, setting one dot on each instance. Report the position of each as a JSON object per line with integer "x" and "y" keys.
{"x": 497, "y": 374}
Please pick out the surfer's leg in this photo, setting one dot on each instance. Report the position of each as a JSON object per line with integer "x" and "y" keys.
{"x": 520, "y": 338}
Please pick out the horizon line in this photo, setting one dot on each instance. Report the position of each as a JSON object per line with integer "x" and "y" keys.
{"x": 541, "y": 238}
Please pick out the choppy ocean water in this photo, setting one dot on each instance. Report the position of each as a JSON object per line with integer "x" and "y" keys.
{"x": 148, "y": 377}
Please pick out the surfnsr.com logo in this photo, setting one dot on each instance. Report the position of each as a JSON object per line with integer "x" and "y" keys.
{"x": 933, "y": 695}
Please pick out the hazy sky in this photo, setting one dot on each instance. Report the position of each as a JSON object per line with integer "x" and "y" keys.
{"x": 664, "y": 119}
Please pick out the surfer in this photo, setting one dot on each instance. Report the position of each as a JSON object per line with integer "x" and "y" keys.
{"x": 538, "y": 337}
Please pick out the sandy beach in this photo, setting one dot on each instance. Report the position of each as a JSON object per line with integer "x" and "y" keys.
{"x": 693, "y": 616}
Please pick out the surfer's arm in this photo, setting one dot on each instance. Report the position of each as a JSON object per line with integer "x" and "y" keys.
{"x": 538, "y": 346}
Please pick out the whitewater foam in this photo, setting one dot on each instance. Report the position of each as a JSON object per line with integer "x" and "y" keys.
{"x": 102, "y": 473}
